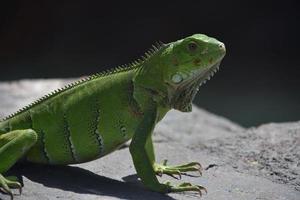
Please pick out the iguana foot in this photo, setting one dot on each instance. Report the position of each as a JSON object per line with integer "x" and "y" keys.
{"x": 178, "y": 170}
{"x": 8, "y": 183}
{"x": 184, "y": 187}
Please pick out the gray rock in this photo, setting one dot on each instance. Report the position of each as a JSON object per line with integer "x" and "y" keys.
{"x": 257, "y": 163}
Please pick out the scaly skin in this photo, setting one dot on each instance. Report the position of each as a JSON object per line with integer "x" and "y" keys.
{"x": 93, "y": 117}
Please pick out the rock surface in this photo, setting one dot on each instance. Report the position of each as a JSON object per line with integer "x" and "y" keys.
{"x": 257, "y": 163}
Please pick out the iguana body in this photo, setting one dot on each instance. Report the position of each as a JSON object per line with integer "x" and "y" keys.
{"x": 93, "y": 117}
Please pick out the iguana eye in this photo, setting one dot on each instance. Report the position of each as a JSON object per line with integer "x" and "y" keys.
{"x": 192, "y": 46}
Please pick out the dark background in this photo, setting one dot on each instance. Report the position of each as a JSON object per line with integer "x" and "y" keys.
{"x": 259, "y": 79}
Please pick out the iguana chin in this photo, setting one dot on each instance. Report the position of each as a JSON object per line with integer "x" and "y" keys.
{"x": 94, "y": 116}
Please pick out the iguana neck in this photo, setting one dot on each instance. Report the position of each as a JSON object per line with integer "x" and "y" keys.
{"x": 148, "y": 82}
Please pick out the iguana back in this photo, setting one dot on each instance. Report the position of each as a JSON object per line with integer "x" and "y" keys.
{"x": 81, "y": 122}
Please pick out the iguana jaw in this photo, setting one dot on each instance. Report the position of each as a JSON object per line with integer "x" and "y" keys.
{"x": 181, "y": 96}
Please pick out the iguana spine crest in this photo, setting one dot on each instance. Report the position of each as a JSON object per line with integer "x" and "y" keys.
{"x": 121, "y": 68}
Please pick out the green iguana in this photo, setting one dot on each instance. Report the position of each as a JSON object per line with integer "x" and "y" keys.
{"x": 94, "y": 116}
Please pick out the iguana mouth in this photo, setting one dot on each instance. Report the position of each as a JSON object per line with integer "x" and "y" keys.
{"x": 185, "y": 93}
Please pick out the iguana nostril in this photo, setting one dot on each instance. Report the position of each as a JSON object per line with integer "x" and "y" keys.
{"x": 222, "y": 46}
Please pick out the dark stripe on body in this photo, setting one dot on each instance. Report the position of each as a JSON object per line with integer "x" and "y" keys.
{"x": 8, "y": 128}
{"x": 44, "y": 146}
{"x": 29, "y": 118}
{"x": 67, "y": 134}
{"x": 95, "y": 130}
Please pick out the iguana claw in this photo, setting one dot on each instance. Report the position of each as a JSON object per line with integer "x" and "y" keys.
{"x": 189, "y": 187}
{"x": 9, "y": 182}
{"x": 184, "y": 187}
{"x": 179, "y": 170}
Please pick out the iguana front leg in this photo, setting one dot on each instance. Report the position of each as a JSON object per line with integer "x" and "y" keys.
{"x": 13, "y": 145}
{"x": 142, "y": 152}
{"x": 141, "y": 160}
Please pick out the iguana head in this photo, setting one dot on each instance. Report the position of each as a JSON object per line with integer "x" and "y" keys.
{"x": 188, "y": 63}
{"x": 174, "y": 71}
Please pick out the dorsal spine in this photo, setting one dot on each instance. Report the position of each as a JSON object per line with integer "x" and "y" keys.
{"x": 122, "y": 68}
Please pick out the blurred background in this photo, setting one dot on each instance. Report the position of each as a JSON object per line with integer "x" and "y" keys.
{"x": 259, "y": 80}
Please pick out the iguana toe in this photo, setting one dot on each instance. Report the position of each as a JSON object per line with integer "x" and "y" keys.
{"x": 185, "y": 187}
{"x": 6, "y": 184}
{"x": 177, "y": 169}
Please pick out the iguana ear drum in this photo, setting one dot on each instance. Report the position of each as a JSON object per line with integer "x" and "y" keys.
{"x": 177, "y": 78}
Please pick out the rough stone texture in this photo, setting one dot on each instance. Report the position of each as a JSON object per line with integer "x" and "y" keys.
{"x": 257, "y": 163}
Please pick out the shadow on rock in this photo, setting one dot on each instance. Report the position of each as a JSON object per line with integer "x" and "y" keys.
{"x": 78, "y": 180}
